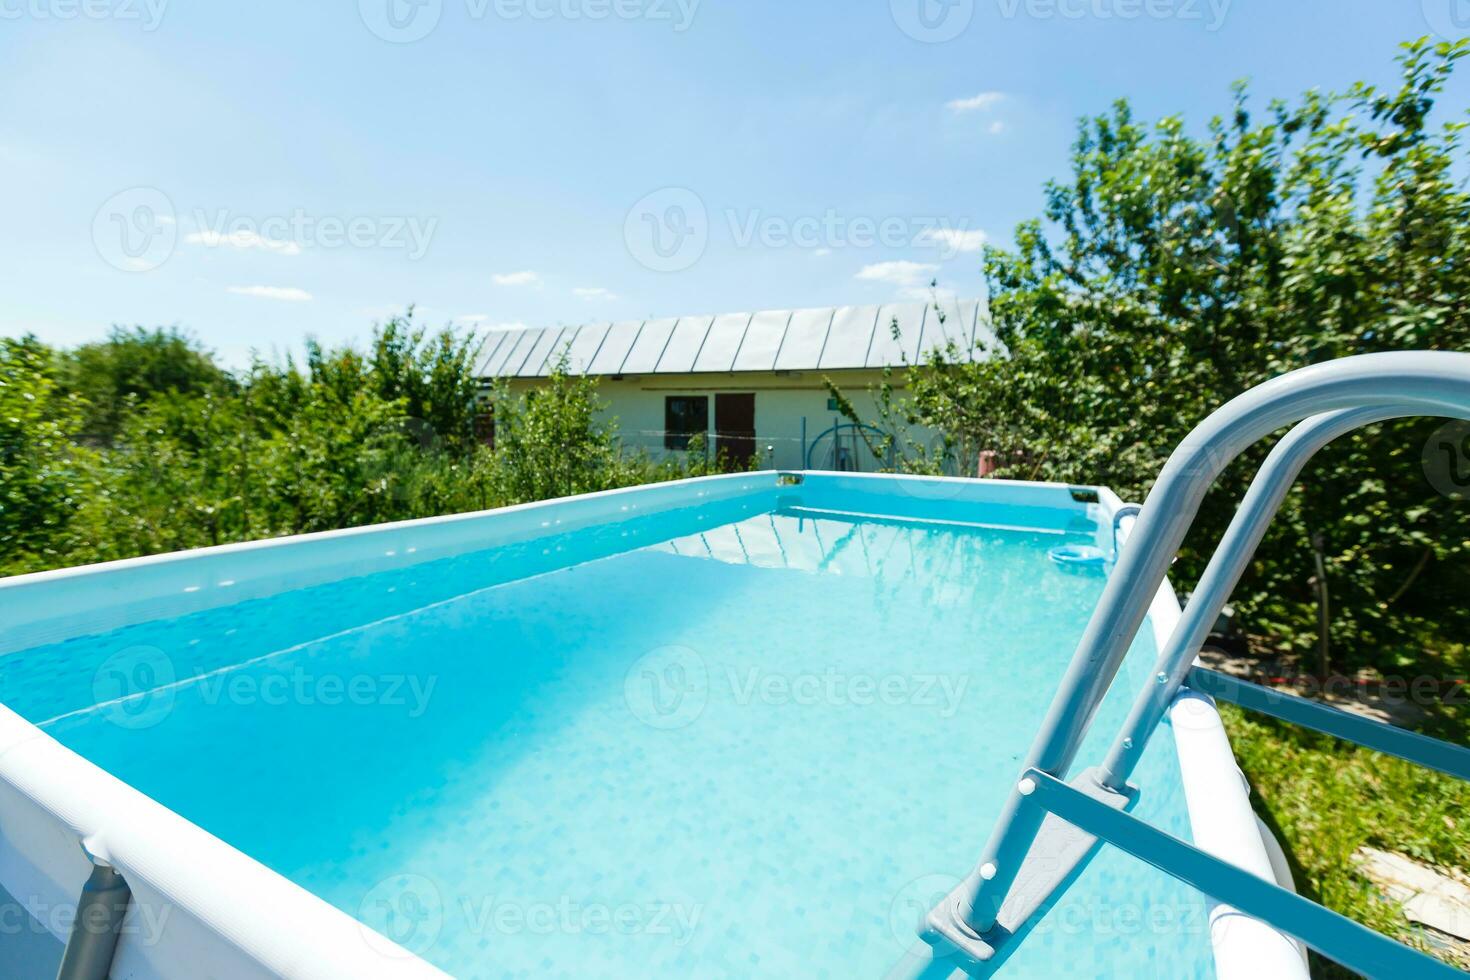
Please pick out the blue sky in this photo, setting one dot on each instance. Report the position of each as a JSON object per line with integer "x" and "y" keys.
{"x": 255, "y": 172}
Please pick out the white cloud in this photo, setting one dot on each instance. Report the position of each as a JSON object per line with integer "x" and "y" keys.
{"x": 955, "y": 240}
{"x": 241, "y": 239}
{"x": 900, "y": 272}
{"x": 821, "y": 252}
{"x": 983, "y": 102}
{"x": 523, "y": 278}
{"x": 288, "y": 293}
{"x": 593, "y": 292}
{"x": 995, "y": 127}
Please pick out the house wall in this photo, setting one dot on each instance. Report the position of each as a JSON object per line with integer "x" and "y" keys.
{"x": 782, "y": 401}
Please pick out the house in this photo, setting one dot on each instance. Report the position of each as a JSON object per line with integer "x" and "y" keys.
{"x": 751, "y": 384}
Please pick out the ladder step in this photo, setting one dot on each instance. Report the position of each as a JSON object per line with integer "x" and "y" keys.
{"x": 1057, "y": 857}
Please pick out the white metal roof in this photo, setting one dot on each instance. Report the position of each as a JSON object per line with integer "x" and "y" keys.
{"x": 830, "y": 339}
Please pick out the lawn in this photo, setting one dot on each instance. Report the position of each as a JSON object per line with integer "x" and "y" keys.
{"x": 1325, "y": 799}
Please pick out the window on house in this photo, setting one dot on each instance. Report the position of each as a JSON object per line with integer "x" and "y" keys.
{"x": 684, "y": 416}
{"x": 485, "y": 424}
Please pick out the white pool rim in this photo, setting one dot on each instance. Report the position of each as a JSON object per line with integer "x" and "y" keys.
{"x": 1221, "y": 819}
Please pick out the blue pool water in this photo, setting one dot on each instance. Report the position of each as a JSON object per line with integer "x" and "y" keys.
{"x": 703, "y": 744}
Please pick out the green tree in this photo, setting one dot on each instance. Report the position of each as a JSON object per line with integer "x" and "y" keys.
{"x": 548, "y": 441}
{"x": 132, "y": 366}
{"x": 1171, "y": 272}
{"x": 434, "y": 377}
{"x": 43, "y": 474}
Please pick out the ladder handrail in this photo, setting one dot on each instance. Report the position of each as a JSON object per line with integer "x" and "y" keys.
{"x": 1237, "y": 547}
{"x": 1423, "y": 382}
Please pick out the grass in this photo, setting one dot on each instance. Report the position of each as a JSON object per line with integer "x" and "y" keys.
{"x": 1324, "y": 799}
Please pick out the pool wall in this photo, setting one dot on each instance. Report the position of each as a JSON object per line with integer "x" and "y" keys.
{"x": 197, "y": 900}
{"x": 48, "y": 607}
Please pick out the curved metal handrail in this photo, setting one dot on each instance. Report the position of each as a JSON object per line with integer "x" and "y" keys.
{"x": 1262, "y": 501}
{"x": 1119, "y": 516}
{"x": 1376, "y": 385}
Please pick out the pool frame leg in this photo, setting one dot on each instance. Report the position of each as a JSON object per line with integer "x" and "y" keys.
{"x": 100, "y": 912}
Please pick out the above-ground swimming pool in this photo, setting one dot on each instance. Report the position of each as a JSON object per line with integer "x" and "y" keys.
{"x": 746, "y": 725}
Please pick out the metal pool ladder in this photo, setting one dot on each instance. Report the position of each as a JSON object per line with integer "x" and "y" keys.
{"x": 1050, "y": 828}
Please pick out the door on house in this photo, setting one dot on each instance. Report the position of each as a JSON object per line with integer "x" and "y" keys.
{"x": 735, "y": 427}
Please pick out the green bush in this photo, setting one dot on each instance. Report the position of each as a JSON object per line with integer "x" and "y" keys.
{"x": 44, "y": 476}
{"x": 140, "y": 444}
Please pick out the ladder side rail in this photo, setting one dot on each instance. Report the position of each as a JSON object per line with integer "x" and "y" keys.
{"x": 1237, "y": 547}
{"x": 1422, "y": 750}
{"x": 1431, "y": 382}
